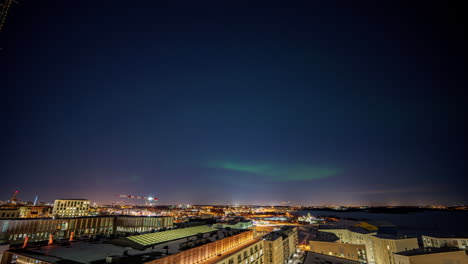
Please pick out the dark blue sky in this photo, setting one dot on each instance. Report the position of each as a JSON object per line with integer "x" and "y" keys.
{"x": 212, "y": 103}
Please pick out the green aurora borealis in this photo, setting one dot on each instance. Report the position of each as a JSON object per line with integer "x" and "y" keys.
{"x": 278, "y": 172}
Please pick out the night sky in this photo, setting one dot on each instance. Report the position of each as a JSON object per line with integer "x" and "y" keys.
{"x": 213, "y": 103}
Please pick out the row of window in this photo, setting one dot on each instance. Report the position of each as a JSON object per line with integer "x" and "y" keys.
{"x": 45, "y": 235}
{"x": 255, "y": 257}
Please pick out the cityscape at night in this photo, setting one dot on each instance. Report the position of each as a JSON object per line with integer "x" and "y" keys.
{"x": 267, "y": 132}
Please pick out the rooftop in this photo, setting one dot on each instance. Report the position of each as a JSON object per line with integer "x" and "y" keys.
{"x": 231, "y": 252}
{"x": 393, "y": 237}
{"x": 71, "y": 199}
{"x": 165, "y": 236}
{"x": 452, "y": 235}
{"x": 430, "y": 250}
{"x": 88, "y": 216}
{"x": 355, "y": 229}
{"x": 285, "y": 231}
{"x": 314, "y": 258}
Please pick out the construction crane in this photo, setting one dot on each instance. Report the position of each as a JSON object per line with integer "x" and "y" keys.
{"x": 13, "y": 198}
{"x": 148, "y": 199}
{"x": 4, "y": 7}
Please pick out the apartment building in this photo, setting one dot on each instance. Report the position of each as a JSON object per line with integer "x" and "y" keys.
{"x": 71, "y": 208}
{"x": 441, "y": 241}
{"x": 280, "y": 246}
{"x": 431, "y": 256}
{"x": 14, "y": 231}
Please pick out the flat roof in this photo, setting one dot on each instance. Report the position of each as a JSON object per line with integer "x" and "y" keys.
{"x": 430, "y": 250}
{"x": 71, "y": 199}
{"x": 313, "y": 258}
{"x": 96, "y": 252}
{"x": 42, "y": 257}
{"x": 394, "y": 237}
{"x": 165, "y": 236}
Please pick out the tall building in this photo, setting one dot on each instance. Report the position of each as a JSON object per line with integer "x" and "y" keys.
{"x": 281, "y": 245}
{"x": 71, "y": 208}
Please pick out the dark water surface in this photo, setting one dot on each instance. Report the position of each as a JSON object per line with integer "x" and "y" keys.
{"x": 453, "y": 222}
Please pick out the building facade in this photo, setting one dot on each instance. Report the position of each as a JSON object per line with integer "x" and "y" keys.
{"x": 14, "y": 231}
{"x": 280, "y": 246}
{"x": 431, "y": 256}
{"x": 384, "y": 247}
{"x": 440, "y": 242}
{"x": 356, "y": 236}
{"x": 210, "y": 250}
{"x": 71, "y": 208}
{"x": 340, "y": 250}
{"x": 379, "y": 249}
{"x": 224, "y": 246}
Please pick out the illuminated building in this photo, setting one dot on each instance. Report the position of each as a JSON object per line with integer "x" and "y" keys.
{"x": 445, "y": 241}
{"x": 201, "y": 244}
{"x": 71, "y": 208}
{"x": 309, "y": 219}
{"x": 35, "y": 211}
{"x": 281, "y": 245}
{"x": 15, "y": 231}
{"x": 431, "y": 256}
{"x": 356, "y": 236}
{"x": 9, "y": 213}
{"x": 384, "y": 247}
{"x": 340, "y": 250}
{"x": 241, "y": 224}
{"x": 379, "y": 248}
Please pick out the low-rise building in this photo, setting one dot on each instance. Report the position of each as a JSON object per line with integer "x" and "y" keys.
{"x": 356, "y": 236}
{"x": 347, "y": 251}
{"x": 431, "y": 256}
{"x": 201, "y": 244}
{"x": 14, "y": 231}
{"x": 35, "y": 211}
{"x": 440, "y": 241}
{"x": 378, "y": 248}
{"x": 280, "y": 246}
{"x": 239, "y": 224}
{"x": 71, "y": 208}
{"x": 384, "y": 246}
{"x": 13, "y": 212}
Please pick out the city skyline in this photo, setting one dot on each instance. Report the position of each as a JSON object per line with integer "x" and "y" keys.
{"x": 316, "y": 104}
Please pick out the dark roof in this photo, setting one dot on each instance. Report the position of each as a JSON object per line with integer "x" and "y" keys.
{"x": 89, "y": 216}
{"x": 431, "y": 250}
{"x": 394, "y": 237}
{"x": 438, "y": 234}
{"x": 42, "y": 257}
{"x": 379, "y": 223}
